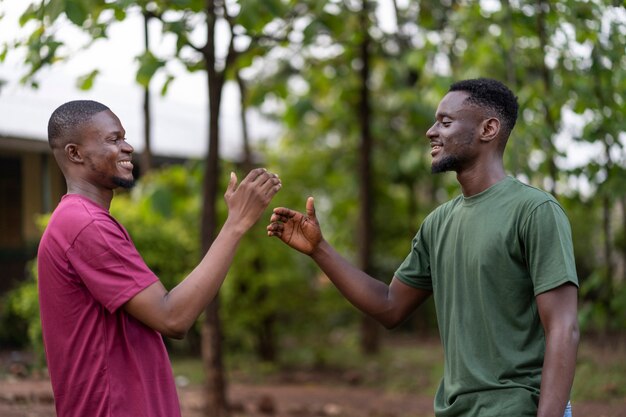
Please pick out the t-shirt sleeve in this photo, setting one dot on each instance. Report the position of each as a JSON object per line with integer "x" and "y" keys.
{"x": 109, "y": 265}
{"x": 548, "y": 246}
{"x": 415, "y": 270}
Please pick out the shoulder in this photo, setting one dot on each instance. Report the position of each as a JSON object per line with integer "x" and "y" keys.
{"x": 524, "y": 191}
{"x": 74, "y": 209}
{"x": 536, "y": 208}
{"x": 439, "y": 216}
{"x": 444, "y": 210}
{"x": 528, "y": 196}
{"x": 73, "y": 215}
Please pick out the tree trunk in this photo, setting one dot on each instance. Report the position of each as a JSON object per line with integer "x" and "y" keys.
{"x": 542, "y": 8}
{"x": 216, "y": 402}
{"x": 510, "y": 52}
{"x": 623, "y": 247}
{"x": 369, "y": 328}
{"x": 247, "y": 162}
{"x": 146, "y": 155}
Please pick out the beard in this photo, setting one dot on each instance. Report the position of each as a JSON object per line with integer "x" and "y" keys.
{"x": 124, "y": 183}
{"x": 447, "y": 163}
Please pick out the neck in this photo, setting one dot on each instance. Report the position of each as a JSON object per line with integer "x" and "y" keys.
{"x": 477, "y": 179}
{"x": 99, "y": 196}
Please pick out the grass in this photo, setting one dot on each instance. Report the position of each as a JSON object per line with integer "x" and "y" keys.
{"x": 600, "y": 372}
{"x": 402, "y": 366}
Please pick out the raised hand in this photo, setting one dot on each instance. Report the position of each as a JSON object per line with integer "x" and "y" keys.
{"x": 301, "y": 232}
{"x": 247, "y": 201}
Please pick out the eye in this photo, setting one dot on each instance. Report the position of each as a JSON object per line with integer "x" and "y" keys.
{"x": 116, "y": 139}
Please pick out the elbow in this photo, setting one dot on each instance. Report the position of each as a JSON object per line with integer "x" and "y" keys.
{"x": 575, "y": 333}
{"x": 567, "y": 334}
{"x": 175, "y": 329}
{"x": 392, "y": 324}
{"x": 572, "y": 331}
{"x": 390, "y": 321}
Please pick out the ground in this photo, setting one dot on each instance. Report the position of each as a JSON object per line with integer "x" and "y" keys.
{"x": 351, "y": 391}
{"x": 32, "y": 397}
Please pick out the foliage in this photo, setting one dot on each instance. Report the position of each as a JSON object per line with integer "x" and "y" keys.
{"x": 162, "y": 216}
{"x": 21, "y": 323}
{"x": 565, "y": 60}
{"x": 22, "y": 309}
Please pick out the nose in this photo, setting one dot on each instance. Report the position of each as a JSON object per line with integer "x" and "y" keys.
{"x": 128, "y": 148}
{"x": 432, "y": 131}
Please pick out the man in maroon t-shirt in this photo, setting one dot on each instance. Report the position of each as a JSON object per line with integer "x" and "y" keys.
{"x": 103, "y": 311}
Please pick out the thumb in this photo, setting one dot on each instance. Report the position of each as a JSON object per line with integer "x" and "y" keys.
{"x": 232, "y": 183}
{"x": 310, "y": 208}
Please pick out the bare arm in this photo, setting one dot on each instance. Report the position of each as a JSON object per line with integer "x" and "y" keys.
{"x": 558, "y": 312}
{"x": 389, "y": 304}
{"x": 173, "y": 313}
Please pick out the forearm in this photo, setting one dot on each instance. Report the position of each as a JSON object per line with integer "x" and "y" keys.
{"x": 558, "y": 370}
{"x": 185, "y": 302}
{"x": 365, "y": 292}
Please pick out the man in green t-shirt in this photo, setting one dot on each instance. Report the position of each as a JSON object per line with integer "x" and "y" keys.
{"x": 498, "y": 260}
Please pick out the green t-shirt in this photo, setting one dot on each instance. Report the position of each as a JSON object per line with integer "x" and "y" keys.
{"x": 485, "y": 258}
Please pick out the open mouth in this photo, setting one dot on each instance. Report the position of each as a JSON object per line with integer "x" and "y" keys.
{"x": 126, "y": 164}
{"x": 435, "y": 148}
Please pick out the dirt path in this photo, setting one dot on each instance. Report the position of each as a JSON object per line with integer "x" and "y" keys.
{"x": 33, "y": 398}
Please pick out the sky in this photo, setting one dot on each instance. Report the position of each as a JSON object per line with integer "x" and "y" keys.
{"x": 180, "y": 120}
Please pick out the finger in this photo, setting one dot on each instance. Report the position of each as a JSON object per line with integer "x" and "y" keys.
{"x": 269, "y": 184}
{"x": 265, "y": 176}
{"x": 284, "y": 212}
{"x": 272, "y": 185}
{"x": 275, "y": 218}
{"x": 275, "y": 227}
{"x": 274, "y": 230}
{"x": 310, "y": 208}
{"x": 260, "y": 176}
{"x": 232, "y": 183}
{"x": 253, "y": 175}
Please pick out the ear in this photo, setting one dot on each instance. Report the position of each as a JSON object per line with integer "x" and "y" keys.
{"x": 72, "y": 153}
{"x": 489, "y": 129}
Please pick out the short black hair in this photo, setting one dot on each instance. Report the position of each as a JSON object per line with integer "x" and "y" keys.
{"x": 69, "y": 116}
{"x": 492, "y": 94}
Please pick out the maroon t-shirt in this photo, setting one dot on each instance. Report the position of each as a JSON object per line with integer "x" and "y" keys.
{"x": 102, "y": 361}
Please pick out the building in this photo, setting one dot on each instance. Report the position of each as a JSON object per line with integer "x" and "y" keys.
{"x": 30, "y": 184}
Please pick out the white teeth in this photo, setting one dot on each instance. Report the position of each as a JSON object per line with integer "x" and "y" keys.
{"x": 126, "y": 164}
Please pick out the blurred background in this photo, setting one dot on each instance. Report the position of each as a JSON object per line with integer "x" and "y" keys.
{"x": 335, "y": 96}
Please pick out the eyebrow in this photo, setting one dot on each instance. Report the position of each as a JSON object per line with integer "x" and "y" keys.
{"x": 442, "y": 115}
{"x": 116, "y": 133}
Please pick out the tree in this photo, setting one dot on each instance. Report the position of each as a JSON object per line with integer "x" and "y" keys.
{"x": 245, "y": 21}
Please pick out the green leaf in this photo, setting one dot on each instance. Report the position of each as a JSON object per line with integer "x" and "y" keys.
{"x": 148, "y": 66}
{"x": 166, "y": 84}
{"x": 86, "y": 81}
{"x": 75, "y": 11}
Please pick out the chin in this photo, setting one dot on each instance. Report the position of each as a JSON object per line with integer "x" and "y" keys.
{"x": 124, "y": 182}
{"x": 445, "y": 164}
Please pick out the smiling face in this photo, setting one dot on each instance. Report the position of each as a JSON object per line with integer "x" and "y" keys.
{"x": 454, "y": 137}
{"x": 106, "y": 154}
